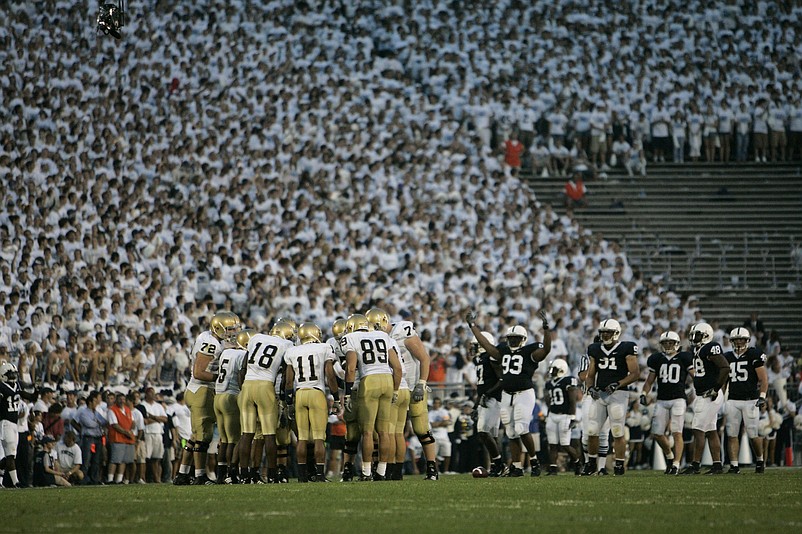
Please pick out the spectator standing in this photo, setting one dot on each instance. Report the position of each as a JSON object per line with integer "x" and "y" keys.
{"x": 599, "y": 124}
{"x": 795, "y": 129}
{"x": 181, "y": 417}
{"x": 778, "y": 139}
{"x": 726, "y": 118}
{"x": 760, "y": 130}
{"x": 660, "y": 122}
{"x": 695, "y": 126}
{"x": 513, "y": 149}
{"x": 122, "y": 438}
{"x": 91, "y": 426}
{"x": 155, "y": 418}
{"x": 575, "y": 192}
{"x": 743, "y": 125}
{"x": 678, "y": 136}
{"x": 710, "y": 132}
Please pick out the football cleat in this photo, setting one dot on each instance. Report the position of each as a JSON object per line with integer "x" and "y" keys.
{"x": 231, "y": 480}
{"x": 348, "y": 472}
{"x": 715, "y": 470}
{"x": 365, "y": 478}
{"x": 734, "y": 470}
{"x": 668, "y": 469}
{"x": 588, "y": 471}
{"x": 281, "y": 476}
{"x": 577, "y": 468}
{"x": 515, "y": 472}
{"x": 182, "y": 479}
{"x": 552, "y": 471}
{"x": 618, "y": 470}
{"x": 535, "y": 471}
{"x": 202, "y": 480}
{"x": 378, "y": 478}
{"x": 496, "y": 470}
{"x": 690, "y": 470}
{"x": 760, "y": 467}
{"x": 673, "y": 470}
{"x": 257, "y": 479}
{"x": 603, "y": 472}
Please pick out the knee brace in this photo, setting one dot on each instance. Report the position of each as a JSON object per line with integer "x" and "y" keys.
{"x": 190, "y": 446}
{"x": 202, "y": 446}
{"x": 426, "y": 439}
{"x": 351, "y": 447}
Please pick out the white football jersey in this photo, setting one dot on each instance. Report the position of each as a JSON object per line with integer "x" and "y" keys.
{"x": 265, "y": 355}
{"x": 309, "y": 362}
{"x": 372, "y": 350}
{"x": 400, "y": 332}
{"x": 208, "y": 345}
{"x": 339, "y": 357}
{"x": 228, "y": 377}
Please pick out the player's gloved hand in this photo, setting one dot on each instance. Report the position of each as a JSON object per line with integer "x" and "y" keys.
{"x": 483, "y": 401}
{"x": 347, "y": 403}
{"x": 283, "y": 421}
{"x": 761, "y": 402}
{"x": 573, "y": 423}
{"x": 419, "y": 391}
{"x": 335, "y": 408}
{"x": 611, "y": 388}
{"x": 594, "y": 393}
{"x": 475, "y": 413}
{"x": 643, "y": 400}
{"x": 711, "y": 393}
{"x": 470, "y": 318}
{"x": 545, "y": 321}
{"x": 395, "y": 398}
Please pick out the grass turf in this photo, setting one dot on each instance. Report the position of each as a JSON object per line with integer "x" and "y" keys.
{"x": 646, "y": 501}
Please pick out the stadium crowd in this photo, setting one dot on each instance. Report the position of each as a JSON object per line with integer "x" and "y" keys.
{"x": 313, "y": 159}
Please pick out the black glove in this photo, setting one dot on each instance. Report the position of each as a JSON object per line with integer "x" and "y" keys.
{"x": 611, "y": 388}
{"x": 545, "y": 321}
{"x": 474, "y": 414}
{"x": 643, "y": 400}
{"x": 711, "y": 393}
{"x": 347, "y": 403}
{"x": 470, "y": 318}
{"x": 290, "y": 413}
{"x": 761, "y": 402}
{"x": 483, "y": 401}
{"x": 283, "y": 421}
{"x": 594, "y": 393}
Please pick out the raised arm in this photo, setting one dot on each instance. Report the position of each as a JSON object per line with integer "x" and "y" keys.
{"x": 490, "y": 349}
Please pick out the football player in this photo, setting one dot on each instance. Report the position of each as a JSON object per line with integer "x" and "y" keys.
{"x": 226, "y": 409}
{"x": 9, "y": 414}
{"x": 353, "y": 433}
{"x": 561, "y": 392}
{"x": 379, "y": 320}
{"x": 199, "y": 396}
{"x": 309, "y": 368}
{"x": 416, "y": 362}
{"x": 375, "y": 354}
{"x": 260, "y": 370}
{"x": 748, "y": 386}
{"x": 710, "y": 376}
{"x": 488, "y": 407}
{"x": 612, "y": 367}
{"x": 604, "y": 432}
{"x": 519, "y": 362}
{"x": 671, "y": 369}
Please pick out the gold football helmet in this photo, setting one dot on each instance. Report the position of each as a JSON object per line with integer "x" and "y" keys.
{"x": 378, "y": 319}
{"x": 309, "y": 333}
{"x": 357, "y": 323}
{"x": 225, "y": 326}
{"x": 338, "y": 329}
{"x": 283, "y": 330}
{"x": 290, "y": 322}
{"x": 244, "y": 337}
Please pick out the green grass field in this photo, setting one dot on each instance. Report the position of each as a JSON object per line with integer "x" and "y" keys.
{"x": 641, "y": 501}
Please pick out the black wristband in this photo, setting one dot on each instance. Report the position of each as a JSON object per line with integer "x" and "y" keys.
{"x": 348, "y": 387}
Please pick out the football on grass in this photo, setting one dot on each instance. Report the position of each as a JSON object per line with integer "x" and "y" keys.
{"x": 479, "y": 472}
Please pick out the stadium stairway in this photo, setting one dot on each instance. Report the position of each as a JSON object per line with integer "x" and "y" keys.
{"x": 730, "y": 234}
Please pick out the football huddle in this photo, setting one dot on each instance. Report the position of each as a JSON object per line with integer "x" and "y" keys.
{"x": 267, "y": 391}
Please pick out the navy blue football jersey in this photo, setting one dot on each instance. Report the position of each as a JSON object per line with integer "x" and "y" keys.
{"x": 705, "y": 370}
{"x": 744, "y": 384}
{"x": 670, "y": 374}
{"x": 486, "y": 376}
{"x": 557, "y": 392}
{"x": 518, "y": 366}
{"x": 611, "y": 365}
{"x": 9, "y": 402}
